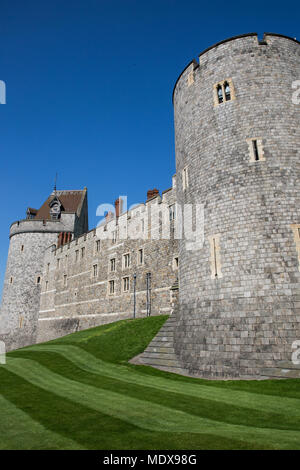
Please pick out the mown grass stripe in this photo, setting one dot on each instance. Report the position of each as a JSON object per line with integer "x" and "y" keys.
{"x": 142, "y": 413}
{"x": 249, "y": 400}
{"x": 19, "y": 431}
{"x": 203, "y": 407}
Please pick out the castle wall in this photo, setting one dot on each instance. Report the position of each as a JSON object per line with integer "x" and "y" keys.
{"x": 73, "y": 297}
{"x": 247, "y": 316}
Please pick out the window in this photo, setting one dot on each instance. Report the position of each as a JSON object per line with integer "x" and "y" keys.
{"x": 11, "y": 280}
{"x": 38, "y": 280}
{"x": 111, "y": 287}
{"x": 191, "y": 78}
{"x": 22, "y": 247}
{"x": 114, "y": 236}
{"x": 172, "y": 212}
{"x": 48, "y": 268}
{"x": 256, "y": 151}
{"x": 220, "y": 94}
{"x": 97, "y": 245}
{"x": 215, "y": 261}
{"x": 65, "y": 280}
{"x": 223, "y": 91}
{"x": 175, "y": 263}
{"x": 113, "y": 264}
{"x": 126, "y": 260}
{"x": 141, "y": 256}
{"x": 95, "y": 270}
{"x": 227, "y": 91}
{"x": 46, "y": 286}
{"x": 76, "y": 255}
{"x": 58, "y": 263}
{"x": 125, "y": 284}
{"x": 82, "y": 252}
{"x": 185, "y": 179}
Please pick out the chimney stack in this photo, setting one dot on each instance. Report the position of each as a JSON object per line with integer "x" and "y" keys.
{"x": 117, "y": 207}
{"x": 151, "y": 193}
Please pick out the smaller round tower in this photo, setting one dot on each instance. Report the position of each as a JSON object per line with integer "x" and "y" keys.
{"x": 64, "y": 212}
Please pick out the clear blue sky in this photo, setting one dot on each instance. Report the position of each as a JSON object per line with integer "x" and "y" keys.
{"x": 89, "y": 85}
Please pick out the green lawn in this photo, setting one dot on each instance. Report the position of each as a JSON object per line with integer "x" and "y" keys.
{"x": 79, "y": 392}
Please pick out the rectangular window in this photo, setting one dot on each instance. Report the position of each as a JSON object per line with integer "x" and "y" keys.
{"x": 48, "y": 268}
{"x": 95, "y": 270}
{"x": 113, "y": 264}
{"x": 256, "y": 151}
{"x": 114, "y": 236}
{"x": 175, "y": 263}
{"x": 141, "y": 256}
{"x": 98, "y": 245}
{"x": 58, "y": 263}
{"x": 125, "y": 284}
{"x": 22, "y": 247}
{"x": 215, "y": 261}
{"x": 65, "y": 280}
{"x": 111, "y": 287}
{"x": 82, "y": 252}
{"x": 172, "y": 212}
{"x": 76, "y": 255}
{"x": 126, "y": 260}
{"x": 223, "y": 91}
{"x": 185, "y": 179}
{"x": 46, "y": 285}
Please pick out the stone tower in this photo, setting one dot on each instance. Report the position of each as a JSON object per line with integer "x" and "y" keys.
{"x": 238, "y": 153}
{"x": 63, "y": 216}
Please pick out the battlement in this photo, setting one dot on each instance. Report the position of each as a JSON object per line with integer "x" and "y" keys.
{"x": 251, "y": 38}
{"x": 64, "y": 224}
{"x": 130, "y": 218}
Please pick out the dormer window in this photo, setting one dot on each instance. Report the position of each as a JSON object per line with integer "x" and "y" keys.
{"x": 55, "y": 208}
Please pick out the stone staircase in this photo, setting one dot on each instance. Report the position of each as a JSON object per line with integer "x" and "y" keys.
{"x": 284, "y": 370}
{"x": 160, "y": 352}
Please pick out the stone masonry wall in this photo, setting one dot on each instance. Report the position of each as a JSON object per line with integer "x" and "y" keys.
{"x": 246, "y": 317}
{"x": 76, "y": 296}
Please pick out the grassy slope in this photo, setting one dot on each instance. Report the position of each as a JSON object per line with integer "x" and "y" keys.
{"x": 80, "y": 392}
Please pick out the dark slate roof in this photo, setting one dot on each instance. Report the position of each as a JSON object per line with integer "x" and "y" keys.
{"x": 71, "y": 202}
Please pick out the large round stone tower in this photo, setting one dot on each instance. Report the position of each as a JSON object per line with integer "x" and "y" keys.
{"x": 237, "y": 130}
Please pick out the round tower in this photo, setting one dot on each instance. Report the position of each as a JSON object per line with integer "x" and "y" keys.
{"x": 237, "y": 132}
{"x": 22, "y": 284}
{"x": 62, "y": 216}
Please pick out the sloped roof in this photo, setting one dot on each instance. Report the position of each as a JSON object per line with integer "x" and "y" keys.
{"x": 71, "y": 202}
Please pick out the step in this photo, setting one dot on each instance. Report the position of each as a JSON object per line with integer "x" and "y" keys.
{"x": 165, "y": 335}
{"x": 160, "y": 349}
{"x": 158, "y": 355}
{"x": 159, "y": 344}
